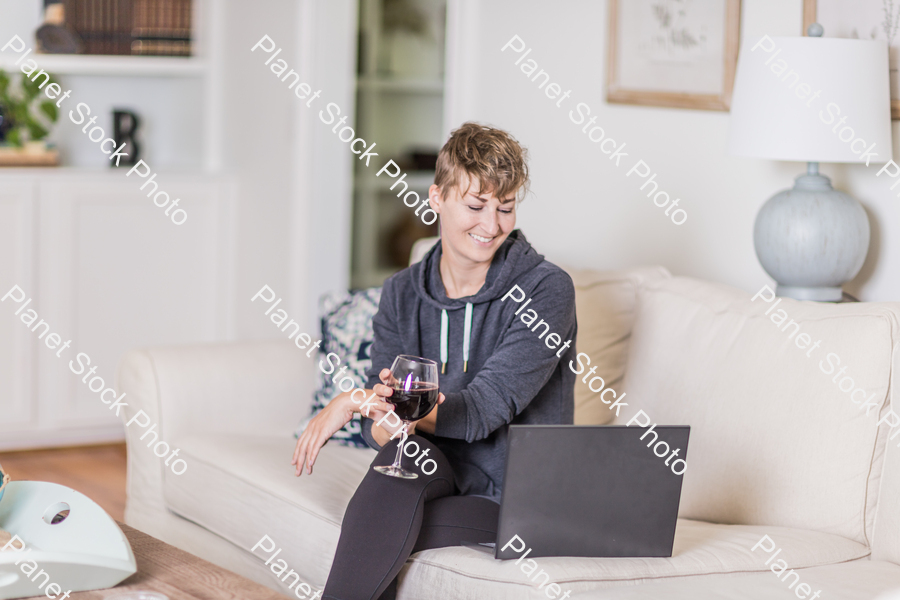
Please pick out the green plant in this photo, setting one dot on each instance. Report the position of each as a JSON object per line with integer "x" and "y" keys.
{"x": 30, "y": 118}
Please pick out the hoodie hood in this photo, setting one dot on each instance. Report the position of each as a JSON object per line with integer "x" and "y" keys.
{"x": 514, "y": 257}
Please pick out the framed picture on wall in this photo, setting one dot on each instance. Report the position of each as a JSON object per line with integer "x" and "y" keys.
{"x": 678, "y": 53}
{"x": 865, "y": 20}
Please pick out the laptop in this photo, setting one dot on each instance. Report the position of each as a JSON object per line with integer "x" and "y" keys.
{"x": 595, "y": 491}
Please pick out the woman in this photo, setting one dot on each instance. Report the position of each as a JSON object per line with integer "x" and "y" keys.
{"x": 496, "y": 370}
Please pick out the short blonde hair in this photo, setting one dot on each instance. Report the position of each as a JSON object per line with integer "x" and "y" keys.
{"x": 492, "y": 156}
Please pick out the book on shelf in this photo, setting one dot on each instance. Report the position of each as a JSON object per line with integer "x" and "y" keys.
{"x": 139, "y": 27}
{"x": 162, "y": 27}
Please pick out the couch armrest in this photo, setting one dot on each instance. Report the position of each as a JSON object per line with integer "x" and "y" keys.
{"x": 247, "y": 387}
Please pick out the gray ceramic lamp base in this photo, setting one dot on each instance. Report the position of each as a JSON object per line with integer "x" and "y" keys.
{"x": 811, "y": 239}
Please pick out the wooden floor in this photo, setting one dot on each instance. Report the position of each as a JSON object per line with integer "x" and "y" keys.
{"x": 98, "y": 472}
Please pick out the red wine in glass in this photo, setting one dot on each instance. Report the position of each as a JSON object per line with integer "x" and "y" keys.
{"x": 416, "y": 402}
{"x": 414, "y": 385}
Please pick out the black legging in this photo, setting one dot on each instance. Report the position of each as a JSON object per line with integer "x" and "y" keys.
{"x": 389, "y": 518}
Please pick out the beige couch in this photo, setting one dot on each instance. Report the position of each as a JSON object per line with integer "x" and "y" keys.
{"x": 776, "y": 448}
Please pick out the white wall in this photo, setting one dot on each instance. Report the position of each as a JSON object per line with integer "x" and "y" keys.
{"x": 323, "y": 165}
{"x": 20, "y": 17}
{"x": 294, "y": 175}
{"x": 584, "y": 211}
{"x": 258, "y": 144}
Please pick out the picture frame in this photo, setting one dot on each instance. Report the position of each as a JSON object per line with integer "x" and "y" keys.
{"x": 862, "y": 19}
{"x": 673, "y": 53}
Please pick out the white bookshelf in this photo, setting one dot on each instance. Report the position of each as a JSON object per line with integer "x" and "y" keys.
{"x": 415, "y": 179}
{"x": 91, "y": 248}
{"x": 176, "y": 98}
{"x": 400, "y": 86}
{"x": 112, "y": 66}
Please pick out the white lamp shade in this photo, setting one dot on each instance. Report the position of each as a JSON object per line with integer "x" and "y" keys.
{"x": 776, "y": 114}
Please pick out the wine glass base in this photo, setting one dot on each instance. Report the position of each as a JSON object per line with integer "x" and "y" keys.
{"x": 392, "y": 471}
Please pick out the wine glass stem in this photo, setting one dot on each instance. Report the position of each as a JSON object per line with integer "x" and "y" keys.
{"x": 403, "y": 436}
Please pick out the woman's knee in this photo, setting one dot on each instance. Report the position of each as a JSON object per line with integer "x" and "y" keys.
{"x": 423, "y": 454}
{"x": 419, "y": 456}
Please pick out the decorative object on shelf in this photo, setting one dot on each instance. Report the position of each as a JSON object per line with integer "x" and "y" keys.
{"x": 410, "y": 49}
{"x": 864, "y": 20}
{"x": 125, "y": 125}
{"x": 417, "y": 159}
{"x": 143, "y": 27}
{"x": 27, "y": 120}
{"x": 5, "y": 123}
{"x": 398, "y": 243}
{"x": 672, "y": 53}
{"x": 65, "y": 534}
{"x": 33, "y": 154}
{"x": 424, "y": 160}
{"x": 812, "y": 238}
{"x": 54, "y": 36}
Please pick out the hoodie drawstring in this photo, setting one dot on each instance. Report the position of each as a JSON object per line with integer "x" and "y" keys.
{"x": 444, "y": 326}
{"x": 467, "y": 334}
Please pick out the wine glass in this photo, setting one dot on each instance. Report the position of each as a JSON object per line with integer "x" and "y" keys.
{"x": 414, "y": 382}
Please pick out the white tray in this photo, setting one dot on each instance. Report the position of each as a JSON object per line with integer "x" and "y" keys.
{"x": 86, "y": 551}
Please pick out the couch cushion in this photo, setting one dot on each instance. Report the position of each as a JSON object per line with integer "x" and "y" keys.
{"x": 346, "y": 321}
{"x": 605, "y": 305}
{"x": 243, "y": 487}
{"x": 774, "y": 441}
{"x": 886, "y": 543}
{"x": 856, "y": 580}
{"x": 700, "y": 548}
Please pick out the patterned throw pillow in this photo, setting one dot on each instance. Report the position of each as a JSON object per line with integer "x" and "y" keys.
{"x": 347, "y": 331}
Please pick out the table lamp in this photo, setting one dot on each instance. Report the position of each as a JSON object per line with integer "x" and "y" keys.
{"x": 812, "y": 99}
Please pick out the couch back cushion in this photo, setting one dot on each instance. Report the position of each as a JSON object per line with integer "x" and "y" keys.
{"x": 346, "y": 322}
{"x": 774, "y": 439}
{"x": 886, "y": 545}
{"x": 605, "y": 304}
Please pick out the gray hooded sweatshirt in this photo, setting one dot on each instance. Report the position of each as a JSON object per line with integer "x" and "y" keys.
{"x": 511, "y": 376}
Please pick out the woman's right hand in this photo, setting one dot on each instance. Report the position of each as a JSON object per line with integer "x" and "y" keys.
{"x": 324, "y": 425}
{"x": 330, "y": 419}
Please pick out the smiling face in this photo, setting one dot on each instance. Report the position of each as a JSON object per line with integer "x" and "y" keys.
{"x": 473, "y": 223}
